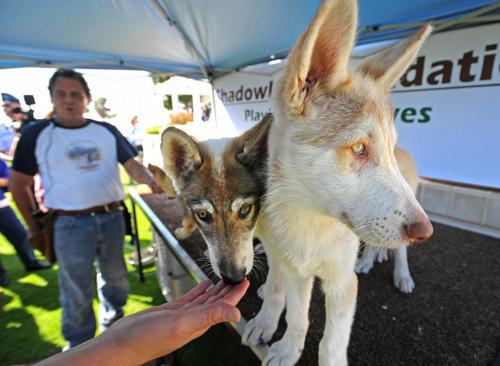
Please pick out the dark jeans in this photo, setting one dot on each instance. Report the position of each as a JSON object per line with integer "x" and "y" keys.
{"x": 82, "y": 241}
{"x": 14, "y": 231}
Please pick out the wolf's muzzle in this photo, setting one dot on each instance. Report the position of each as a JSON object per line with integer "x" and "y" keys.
{"x": 234, "y": 277}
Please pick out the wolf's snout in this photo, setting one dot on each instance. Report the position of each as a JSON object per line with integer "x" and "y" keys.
{"x": 418, "y": 231}
{"x": 234, "y": 277}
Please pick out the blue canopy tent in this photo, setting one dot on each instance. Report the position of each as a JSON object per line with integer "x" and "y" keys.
{"x": 195, "y": 38}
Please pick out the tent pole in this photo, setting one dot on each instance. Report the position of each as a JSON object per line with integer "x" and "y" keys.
{"x": 214, "y": 101}
{"x": 441, "y": 25}
{"x": 164, "y": 10}
{"x": 473, "y": 14}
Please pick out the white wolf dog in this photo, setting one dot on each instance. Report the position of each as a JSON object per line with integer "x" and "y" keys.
{"x": 332, "y": 180}
{"x": 401, "y": 274}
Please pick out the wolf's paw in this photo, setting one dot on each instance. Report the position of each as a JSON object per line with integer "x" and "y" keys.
{"x": 382, "y": 255}
{"x": 285, "y": 352}
{"x": 329, "y": 359}
{"x": 259, "y": 330}
{"x": 363, "y": 265}
{"x": 181, "y": 233}
{"x": 404, "y": 282}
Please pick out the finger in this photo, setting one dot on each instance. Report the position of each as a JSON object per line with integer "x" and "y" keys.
{"x": 196, "y": 291}
{"x": 191, "y": 295}
{"x": 216, "y": 289}
{"x": 211, "y": 292}
{"x": 234, "y": 296}
{"x": 219, "y": 295}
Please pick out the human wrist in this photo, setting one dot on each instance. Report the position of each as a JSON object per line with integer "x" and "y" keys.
{"x": 110, "y": 348}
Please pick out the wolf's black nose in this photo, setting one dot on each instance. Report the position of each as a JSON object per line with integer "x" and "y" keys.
{"x": 234, "y": 278}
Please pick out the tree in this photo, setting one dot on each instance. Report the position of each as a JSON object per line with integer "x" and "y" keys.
{"x": 102, "y": 110}
{"x": 160, "y": 78}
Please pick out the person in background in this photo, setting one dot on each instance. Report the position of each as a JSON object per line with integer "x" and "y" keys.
{"x": 205, "y": 111}
{"x": 136, "y": 133}
{"x": 22, "y": 119}
{"x": 7, "y": 135}
{"x": 9, "y": 104}
{"x": 159, "y": 330}
{"x": 14, "y": 231}
{"x": 7, "y": 132}
{"x": 77, "y": 159}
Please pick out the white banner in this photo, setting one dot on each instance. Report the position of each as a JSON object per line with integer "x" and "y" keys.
{"x": 447, "y": 106}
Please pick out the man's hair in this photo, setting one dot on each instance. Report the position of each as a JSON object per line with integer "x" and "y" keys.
{"x": 70, "y": 74}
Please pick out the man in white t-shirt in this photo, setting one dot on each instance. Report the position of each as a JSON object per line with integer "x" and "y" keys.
{"x": 77, "y": 160}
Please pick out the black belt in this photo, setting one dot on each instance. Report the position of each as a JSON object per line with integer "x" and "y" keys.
{"x": 109, "y": 207}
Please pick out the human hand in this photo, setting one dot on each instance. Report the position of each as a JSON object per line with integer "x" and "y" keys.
{"x": 155, "y": 187}
{"x": 162, "y": 329}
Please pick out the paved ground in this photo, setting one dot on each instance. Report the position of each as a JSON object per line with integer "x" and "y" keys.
{"x": 452, "y": 318}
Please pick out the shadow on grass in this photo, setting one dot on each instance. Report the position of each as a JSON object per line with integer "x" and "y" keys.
{"x": 37, "y": 288}
{"x": 21, "y": 338}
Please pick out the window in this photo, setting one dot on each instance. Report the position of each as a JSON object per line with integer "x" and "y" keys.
{"x": 167, "y": 102}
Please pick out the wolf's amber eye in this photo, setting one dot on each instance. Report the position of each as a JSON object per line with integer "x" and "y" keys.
{"x": 358, "y": 149}
{"x": 245, "y": 211}
{"x": 203, "y": 215}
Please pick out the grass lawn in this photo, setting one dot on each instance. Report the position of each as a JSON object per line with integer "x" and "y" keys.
{"x": 30, "y": 314}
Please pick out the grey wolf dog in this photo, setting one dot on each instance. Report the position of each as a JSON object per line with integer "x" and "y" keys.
{"x": 332, "y": 181}
{"x": 401, "y": 274}
{"x": 220, "y": 183}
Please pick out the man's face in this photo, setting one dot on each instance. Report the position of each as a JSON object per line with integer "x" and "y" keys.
{"x": 69, "y": 99}
{"x": 8, "y": 107}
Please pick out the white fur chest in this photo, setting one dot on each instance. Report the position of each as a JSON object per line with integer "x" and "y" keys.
{"x": 310, "y": 243}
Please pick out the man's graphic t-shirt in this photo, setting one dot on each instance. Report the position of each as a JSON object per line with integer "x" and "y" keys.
{"x": 78, "y": 166}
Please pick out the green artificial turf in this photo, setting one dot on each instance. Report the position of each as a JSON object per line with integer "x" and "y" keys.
{"x": 30, "y": 313}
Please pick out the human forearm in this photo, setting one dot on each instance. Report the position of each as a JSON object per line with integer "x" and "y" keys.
{"x": 139, "y": 173}
{"x": 159, "y": 330}
{"x": 20, "y": 187}
{"x": 4, "y": 182}
{"x": 25, "y": 206}
{"x": 5, "y": 156}
{"x": 96, "y": 351}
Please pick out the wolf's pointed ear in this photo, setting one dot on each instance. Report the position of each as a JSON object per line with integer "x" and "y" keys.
{"x": 181, "y": 155}
{"x": 386, "y": 67}
{"x": 251, "y": 147}
{"x": 320, "y": 57}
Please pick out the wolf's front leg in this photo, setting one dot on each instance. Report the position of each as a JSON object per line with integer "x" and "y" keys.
{"x": 401, "y": 275}
{"x": 340, "y": 308}
{"x": 287, "y": 351}
{"x": 261, "y": 328}
{"x": 365, "y": 263}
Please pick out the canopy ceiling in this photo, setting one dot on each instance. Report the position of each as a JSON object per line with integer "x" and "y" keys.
{"x": 196, "y": 38}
